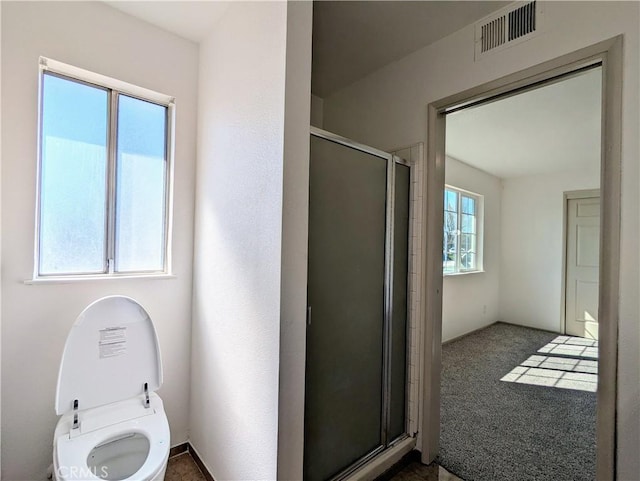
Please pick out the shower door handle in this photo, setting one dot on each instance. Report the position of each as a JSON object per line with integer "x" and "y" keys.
{"x": 308, "y": 315}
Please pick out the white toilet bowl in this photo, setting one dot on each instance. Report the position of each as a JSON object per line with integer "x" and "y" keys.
{"x": 136, "y": 448}
{"x": 116, "y": 427}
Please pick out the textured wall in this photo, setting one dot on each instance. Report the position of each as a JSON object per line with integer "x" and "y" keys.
{"x": 239, "y": 198}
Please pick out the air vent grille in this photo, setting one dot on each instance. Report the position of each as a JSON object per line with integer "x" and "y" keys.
{"x": 493, "y": 33}
{"x": 507, "y": 26}
{"x": 522, "y": 21}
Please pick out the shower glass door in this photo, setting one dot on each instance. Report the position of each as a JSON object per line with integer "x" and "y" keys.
{"x": 356, "y": 332}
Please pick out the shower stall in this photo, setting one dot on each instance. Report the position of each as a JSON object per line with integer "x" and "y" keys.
{"x": 357, "y": 320}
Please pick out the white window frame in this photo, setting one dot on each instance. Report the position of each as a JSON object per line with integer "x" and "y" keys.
{"x": 115, "y": 88}
{"x": 479, "y": 228}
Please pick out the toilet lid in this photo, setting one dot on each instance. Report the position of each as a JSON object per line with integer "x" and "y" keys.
{"x": 111, "y": 352}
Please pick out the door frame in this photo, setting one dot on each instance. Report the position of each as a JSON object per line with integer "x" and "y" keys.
{"x": 566, "y": 197}
{"x": 609, "y": 54}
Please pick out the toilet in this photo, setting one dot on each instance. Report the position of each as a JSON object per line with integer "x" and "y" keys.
{"x": 112, "y": 425}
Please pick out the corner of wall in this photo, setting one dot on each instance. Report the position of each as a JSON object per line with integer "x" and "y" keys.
{"x": 481, "y": 290}
{"x": 295, "y": 220}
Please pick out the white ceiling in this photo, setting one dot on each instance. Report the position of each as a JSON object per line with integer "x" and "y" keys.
{"x": 554, "y": 128}
{"x": 352, "y": 39}
{"x": 192, "y": 20}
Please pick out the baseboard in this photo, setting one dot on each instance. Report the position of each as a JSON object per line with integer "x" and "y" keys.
{"x": 559, "y": 333}
{"x": 188, "y": 448}
{"x": 367, "y": 472}
{"x": 194, "y": 454}
{"x": 457, "y": 338}
{"x": 178, "y": 450}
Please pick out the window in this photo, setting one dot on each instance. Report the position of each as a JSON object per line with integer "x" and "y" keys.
{"x": 104, "y": 176}
{"x": 460, "y": 247}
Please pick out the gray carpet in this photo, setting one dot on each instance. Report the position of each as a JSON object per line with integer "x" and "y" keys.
{"x": 501, "y": 431}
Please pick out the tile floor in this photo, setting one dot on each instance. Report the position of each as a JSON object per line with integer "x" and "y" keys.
{"x": 419, "y": 472}
{"x": 184, "y": 468}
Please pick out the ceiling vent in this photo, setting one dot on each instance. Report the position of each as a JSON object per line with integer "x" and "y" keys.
{"x": 506, "y": 27}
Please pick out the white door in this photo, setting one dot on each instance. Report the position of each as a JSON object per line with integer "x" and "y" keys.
{"x": 583, "y": 256}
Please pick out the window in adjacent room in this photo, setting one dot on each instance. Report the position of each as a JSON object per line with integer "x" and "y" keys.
{"x": 104, "y": 176}
{"x": 462, "y": 243}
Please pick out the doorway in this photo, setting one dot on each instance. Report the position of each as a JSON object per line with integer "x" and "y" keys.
{"x": 508, "y": 165}
{"x": 608, "y": 53}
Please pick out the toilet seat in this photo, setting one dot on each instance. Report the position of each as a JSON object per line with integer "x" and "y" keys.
{"x": 111, "y": 353}
{"x": 74, "y": 451}
{"x": 110, "y": 368}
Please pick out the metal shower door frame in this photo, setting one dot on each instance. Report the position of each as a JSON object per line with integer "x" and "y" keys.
{"x": 391, "y": 160}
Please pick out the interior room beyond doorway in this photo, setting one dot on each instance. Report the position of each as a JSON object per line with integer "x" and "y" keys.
{"x": 521, "y": 247}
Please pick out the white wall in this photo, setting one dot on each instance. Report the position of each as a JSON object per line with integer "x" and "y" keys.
{"x": 36, "y": 318}
{"x": 389, "y": 108}
{"x": 531, "y": 261}
{"x": 471, "y": 301}
{"x": 249, "y": 209}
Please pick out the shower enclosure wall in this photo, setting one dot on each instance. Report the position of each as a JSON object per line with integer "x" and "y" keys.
{"x": 356, "y": 372}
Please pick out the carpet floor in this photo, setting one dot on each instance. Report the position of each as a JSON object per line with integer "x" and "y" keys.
{"x": 503, "y": 431}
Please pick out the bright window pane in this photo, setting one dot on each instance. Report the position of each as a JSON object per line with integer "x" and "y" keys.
{"x": 465, "y": 242}
{"x": 451, "y": 200}
{"x": 468, "y": 261}
{"x": 468, "y": 205}
{"x": 467, "y": 223}
{"x": 73, "y": 177}
{"x": 450, "y": 222}
{"x": 140, "y": 189}
{"x": 460, "y": 229}
{"x": 449, "y": 261}
{"x": 450, "y": 243}
{"x": 467, "y": 251}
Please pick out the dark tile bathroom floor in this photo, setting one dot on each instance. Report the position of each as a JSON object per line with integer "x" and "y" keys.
{"x": 419, "y": 472}
{"x": 184, "y": 468}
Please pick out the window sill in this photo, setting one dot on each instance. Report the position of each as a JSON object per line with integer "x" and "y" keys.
{"x": 90, "y": 278}
{"x": 456, "y": 274}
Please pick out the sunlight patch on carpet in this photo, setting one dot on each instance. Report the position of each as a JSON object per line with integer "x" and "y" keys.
{"x": 567, "y": 369}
